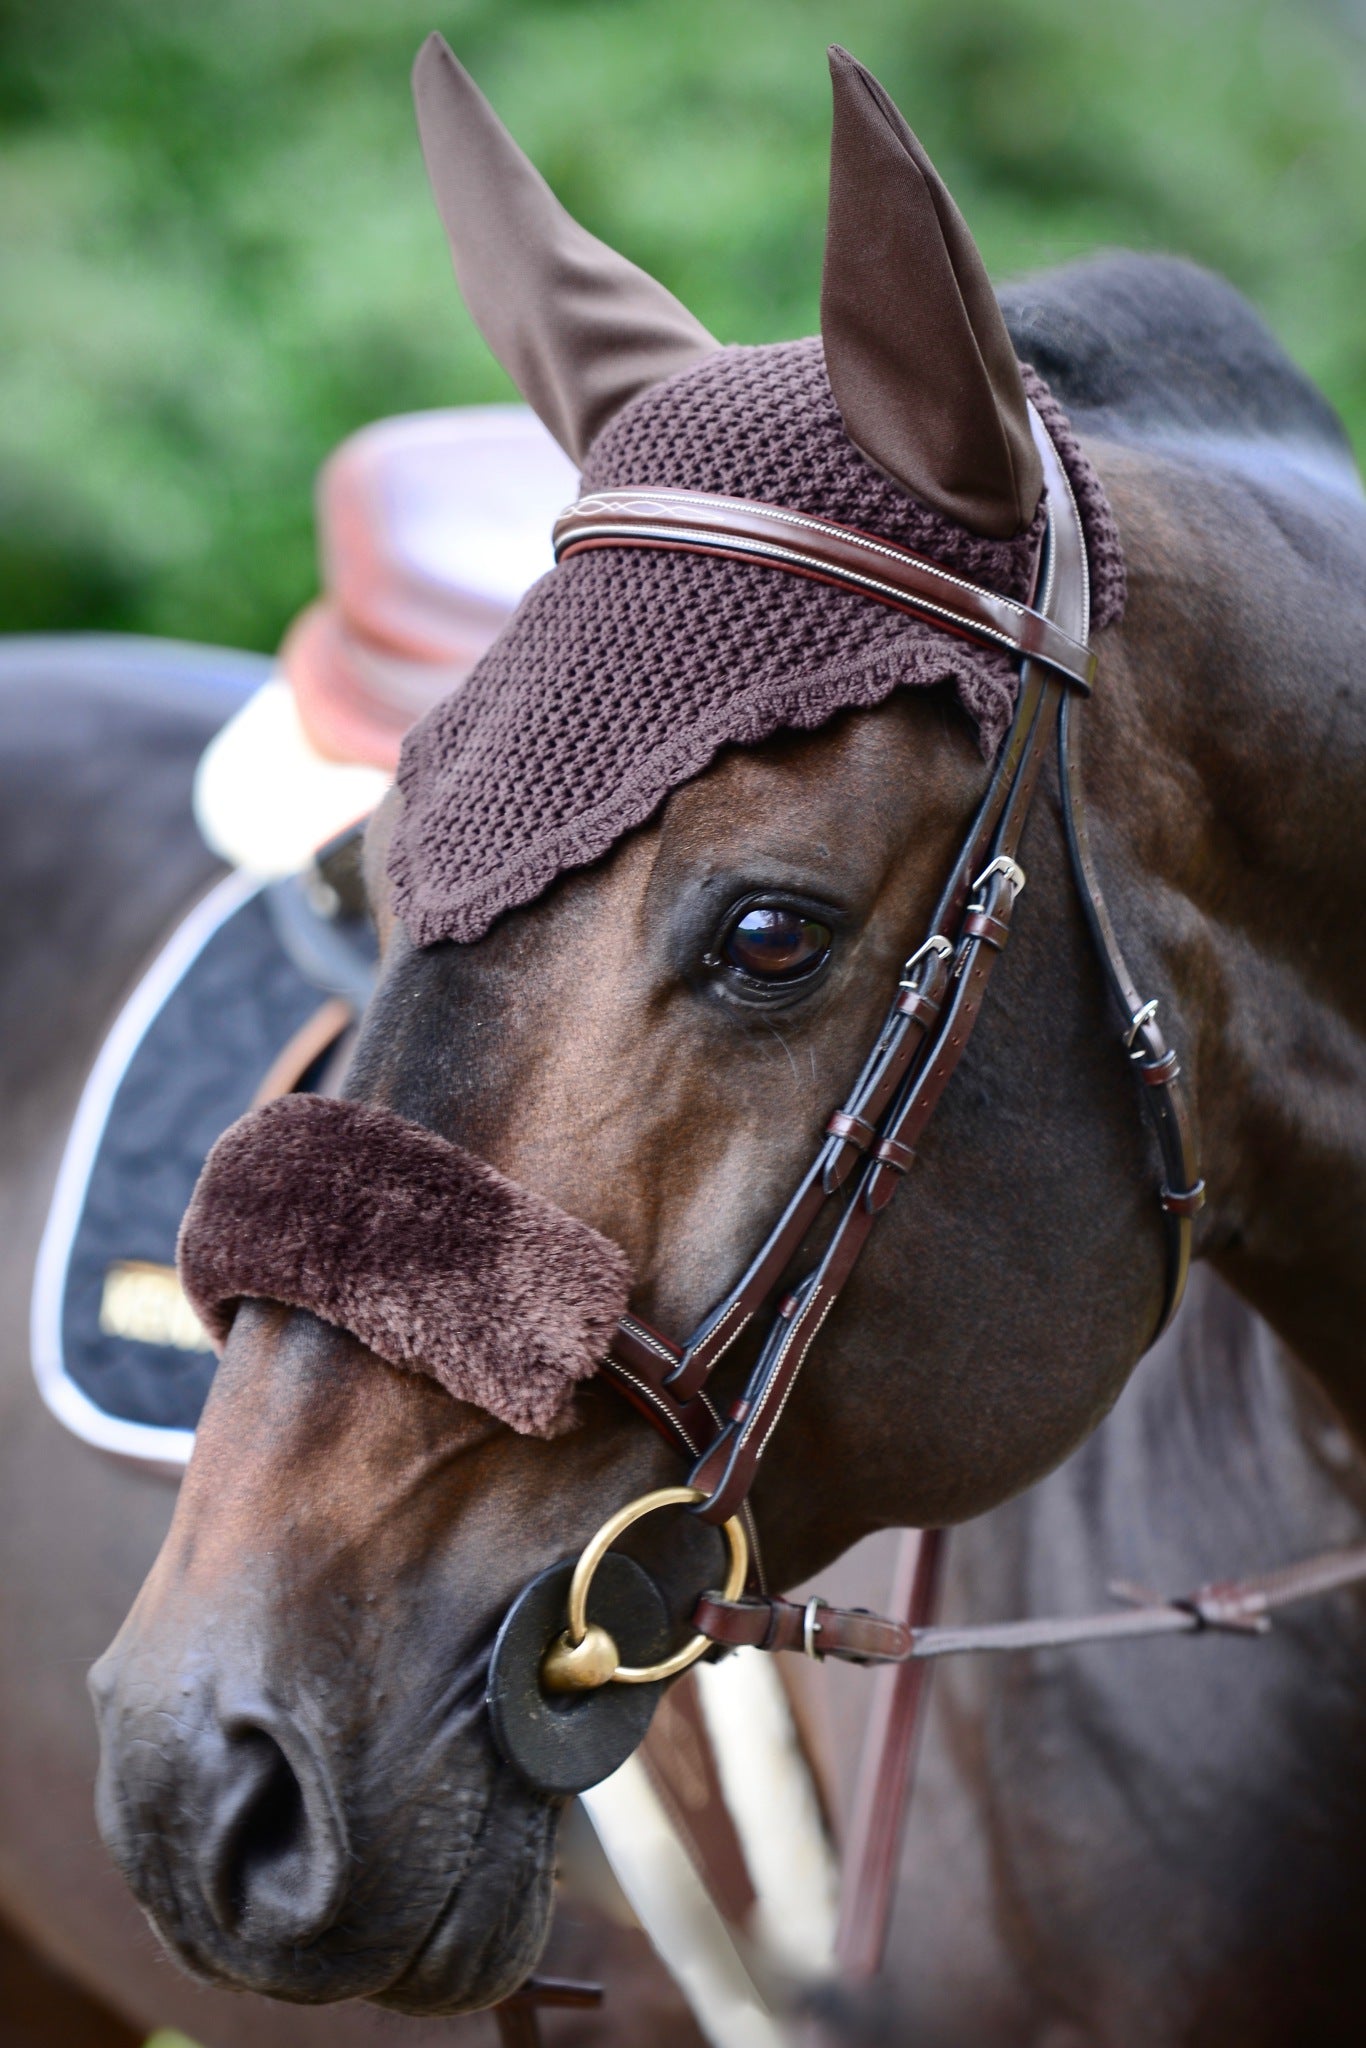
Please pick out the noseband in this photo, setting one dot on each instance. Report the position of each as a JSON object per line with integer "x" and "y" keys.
{"x": 870, "y": 1141}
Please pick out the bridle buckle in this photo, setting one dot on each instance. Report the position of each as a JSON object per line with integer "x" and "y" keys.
{"x": 936, "y": 944}
{"x": 1142, "y": 1016}
{"x": 1002, "y": 865}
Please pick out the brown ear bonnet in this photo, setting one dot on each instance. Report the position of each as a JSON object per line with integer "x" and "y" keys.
{"x": 625, "y": 672}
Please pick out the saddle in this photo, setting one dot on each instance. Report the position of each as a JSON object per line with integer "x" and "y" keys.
{"x": 431, "y": 527}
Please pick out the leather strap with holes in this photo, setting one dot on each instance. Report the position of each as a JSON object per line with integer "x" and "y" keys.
{"x": 853, "y": 1635}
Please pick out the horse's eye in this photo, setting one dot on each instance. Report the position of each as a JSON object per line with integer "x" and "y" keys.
{"x": 776, "y": 945}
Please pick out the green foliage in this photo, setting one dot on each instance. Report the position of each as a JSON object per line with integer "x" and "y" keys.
{"x": 220, "y": 257}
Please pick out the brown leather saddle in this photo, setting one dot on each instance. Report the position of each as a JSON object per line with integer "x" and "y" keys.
{"x": 430, "y": 527}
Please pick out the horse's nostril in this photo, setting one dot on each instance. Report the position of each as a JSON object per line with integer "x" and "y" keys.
{"x": 269, "y": 1833}
{"x": 273, "y": 1860}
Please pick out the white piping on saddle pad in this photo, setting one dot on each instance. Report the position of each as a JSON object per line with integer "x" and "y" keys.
{"x": 671, "y": 1903}
{"x": 167, "y": 1448}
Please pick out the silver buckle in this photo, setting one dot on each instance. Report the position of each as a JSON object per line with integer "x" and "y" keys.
{"x": 936, "y": 944}
{"x": 1002, "y": 865}
{"x": 1138, "y": 1020}
{"x": 811, "y": 1626}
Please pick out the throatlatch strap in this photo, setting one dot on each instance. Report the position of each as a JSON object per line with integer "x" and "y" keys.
{"x": 1182, "y": 1193}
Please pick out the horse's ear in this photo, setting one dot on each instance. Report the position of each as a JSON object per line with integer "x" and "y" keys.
{"x": 919, "y": 359}
{"x": 578, "y": 329}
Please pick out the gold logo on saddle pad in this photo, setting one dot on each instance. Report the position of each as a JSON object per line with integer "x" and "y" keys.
{"x": 146, "y": 1303}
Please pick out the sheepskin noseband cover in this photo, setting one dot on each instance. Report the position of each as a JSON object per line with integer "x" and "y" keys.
{"x": 430, "y": 1257}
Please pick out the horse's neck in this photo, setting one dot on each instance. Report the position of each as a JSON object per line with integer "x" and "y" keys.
{"x": 1240, "y": 723}
{"x": 1219, "y": 1459}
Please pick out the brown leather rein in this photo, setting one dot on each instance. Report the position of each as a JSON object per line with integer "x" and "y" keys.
{"x": 871, "y": 1139}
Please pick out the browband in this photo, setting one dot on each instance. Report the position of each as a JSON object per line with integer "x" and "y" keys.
{"x": 840, "y": 555}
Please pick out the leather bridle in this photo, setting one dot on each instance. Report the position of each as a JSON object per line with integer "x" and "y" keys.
{"x": 870, "y": 1141}
{"x": 868, "y": 1147}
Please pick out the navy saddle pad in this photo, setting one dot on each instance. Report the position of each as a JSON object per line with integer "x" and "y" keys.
{"x": 117, "y": 1351}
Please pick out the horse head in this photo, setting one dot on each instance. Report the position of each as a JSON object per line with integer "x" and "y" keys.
{"x": 644, "y": 888}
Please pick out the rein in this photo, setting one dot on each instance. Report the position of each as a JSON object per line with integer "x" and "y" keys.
{"x": 854, "y": 1636}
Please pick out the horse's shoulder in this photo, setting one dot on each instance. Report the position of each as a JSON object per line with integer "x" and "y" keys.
{"x": 1140, "y": 346}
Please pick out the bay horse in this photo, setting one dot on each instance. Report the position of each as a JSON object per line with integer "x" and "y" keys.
{"x": 298, "y": 1780}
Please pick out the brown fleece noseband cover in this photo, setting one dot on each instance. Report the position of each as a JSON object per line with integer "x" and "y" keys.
{"x": 434, "y": 1260}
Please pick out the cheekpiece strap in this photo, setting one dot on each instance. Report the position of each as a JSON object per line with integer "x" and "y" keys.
{"x": 740, "y": 530}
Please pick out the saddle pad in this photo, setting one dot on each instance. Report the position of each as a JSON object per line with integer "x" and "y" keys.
{"x": 117, "y": 1352}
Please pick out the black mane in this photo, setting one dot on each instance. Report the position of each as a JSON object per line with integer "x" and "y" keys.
{"x": 1142, "y": 345}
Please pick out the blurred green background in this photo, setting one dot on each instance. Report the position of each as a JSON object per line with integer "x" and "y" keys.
{"x": 219, "y": 255}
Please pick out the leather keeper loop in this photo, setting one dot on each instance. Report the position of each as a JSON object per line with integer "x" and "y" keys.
{"x": 1159, "y": 1073}
{"x": 911, "y": 1003}
{"x": 891, "y": 1152}
{"x": 980, "y": 924}
{"x": 1187, "y": 1202}
{"x": 854, "y": 1130}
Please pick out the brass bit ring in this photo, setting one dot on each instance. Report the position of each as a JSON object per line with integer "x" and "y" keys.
{"x": 586, "y": 1656}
